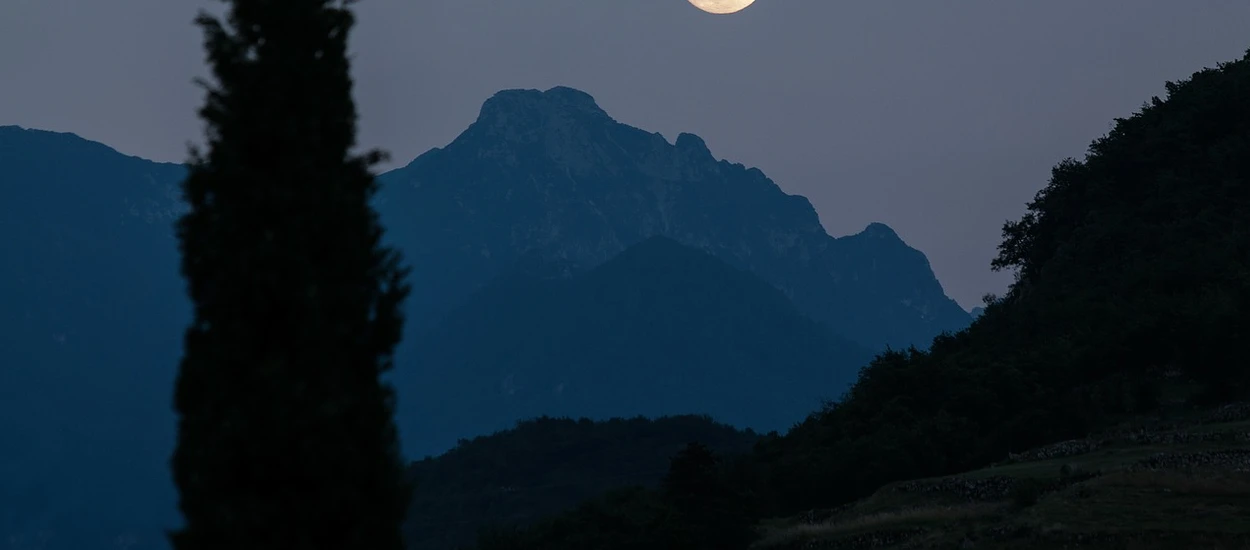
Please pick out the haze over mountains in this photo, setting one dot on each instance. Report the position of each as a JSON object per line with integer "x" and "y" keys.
{"x": 543, "y": 215}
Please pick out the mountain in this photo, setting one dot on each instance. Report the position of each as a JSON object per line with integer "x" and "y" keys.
{"x": 546, "y": 466}
{"x": 550, "y": 173}
{"x": 92, "y": 308}
{"x": 91, "y": 313}
{"x": 976, "y": 312}
{"x": 1103, "y": 394}
{"x": 660, "y": 329}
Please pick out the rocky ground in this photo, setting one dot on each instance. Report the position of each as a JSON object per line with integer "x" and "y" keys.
{"x": 1181, "y": 484}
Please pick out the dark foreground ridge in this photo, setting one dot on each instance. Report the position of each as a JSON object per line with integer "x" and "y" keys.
{"x": 540, "y": 467}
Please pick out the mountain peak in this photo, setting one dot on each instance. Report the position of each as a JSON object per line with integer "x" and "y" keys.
{"x": 507, "y": 106}
{"x": 551, "y": 171}
{"x": 880, "y": 231}
{"x": 574, "y": 97}
{"x": 693, "y": 144}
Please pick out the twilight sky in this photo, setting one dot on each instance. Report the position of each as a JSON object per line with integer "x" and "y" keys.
{"x": 940, "y": 119}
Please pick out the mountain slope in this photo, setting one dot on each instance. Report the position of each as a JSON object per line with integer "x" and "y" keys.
{"x": 91, "y": 310}
{"x": 660, "y": 329}
{"x": 551, "y": 173}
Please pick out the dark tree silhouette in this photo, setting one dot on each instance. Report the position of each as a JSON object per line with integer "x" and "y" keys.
{"x": 286, "y": 437}
{"x": 692, "y": 473}
{"x": 710, "y": 513}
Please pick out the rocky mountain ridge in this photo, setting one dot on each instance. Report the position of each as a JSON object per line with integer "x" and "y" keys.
{"x": 551, "y": 173}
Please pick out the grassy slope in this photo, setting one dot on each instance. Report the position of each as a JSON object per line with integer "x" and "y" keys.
{"x": 1182, "y": 484}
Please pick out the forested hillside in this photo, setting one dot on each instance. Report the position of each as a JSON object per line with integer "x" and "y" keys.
{"x": 547, "y": 465}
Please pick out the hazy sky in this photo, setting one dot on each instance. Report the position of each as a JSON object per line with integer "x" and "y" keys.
{"x": 940, "y": 119}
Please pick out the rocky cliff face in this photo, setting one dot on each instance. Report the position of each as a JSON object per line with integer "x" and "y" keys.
{"x": 550, "y": 173}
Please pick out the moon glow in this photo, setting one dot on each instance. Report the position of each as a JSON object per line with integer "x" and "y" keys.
{"x": 722, "y": 7}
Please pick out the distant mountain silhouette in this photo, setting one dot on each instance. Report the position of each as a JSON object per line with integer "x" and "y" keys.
{"x": 544, "y": 466}
{"x": 544, "y": 184}
{"x": 91, "y": 317}
{"x": 661, "y": 329}
{"x": 551, "y": 173}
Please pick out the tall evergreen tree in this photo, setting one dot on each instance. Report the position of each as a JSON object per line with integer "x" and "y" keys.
{"x": 286, "y": 436}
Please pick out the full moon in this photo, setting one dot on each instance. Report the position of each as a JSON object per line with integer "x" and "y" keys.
{"x": 722, "y": 6}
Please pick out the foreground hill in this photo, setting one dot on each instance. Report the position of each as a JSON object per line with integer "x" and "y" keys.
{"x": 544, "y": 466}
{"x": 1174, "y": 484}
{"x": 660, "y": 329}
{"x": 1133, "y": 284}
{"x": 551, "y": 173}
{"x": 1177, "y": 485}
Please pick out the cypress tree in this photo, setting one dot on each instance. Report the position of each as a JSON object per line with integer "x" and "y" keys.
{"x": 285, "y": 432}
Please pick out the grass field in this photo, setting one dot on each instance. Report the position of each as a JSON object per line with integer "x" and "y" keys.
{"x": 1176, "y": 486}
